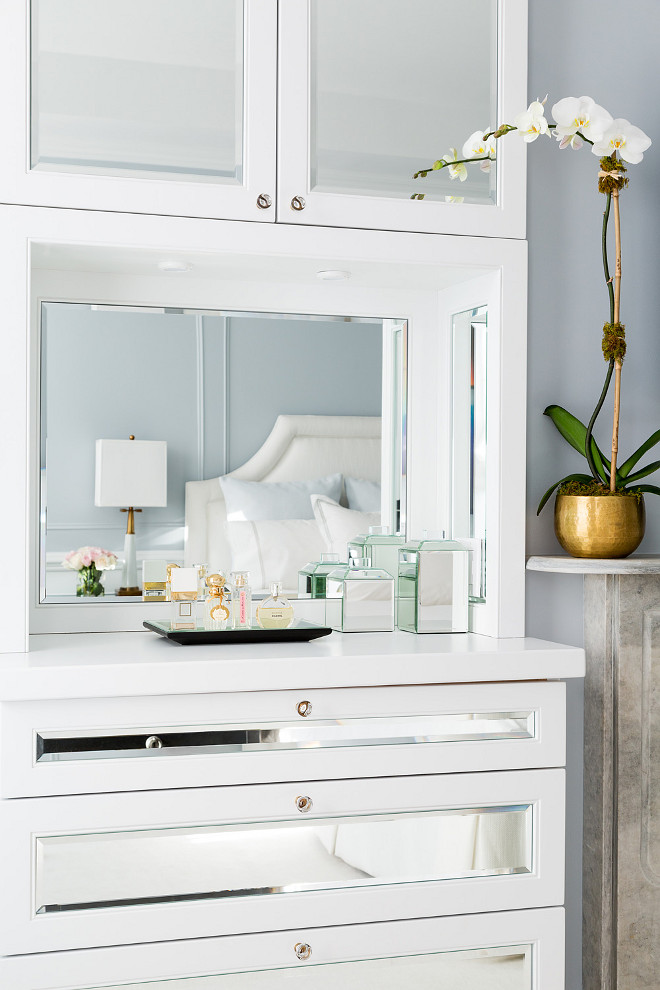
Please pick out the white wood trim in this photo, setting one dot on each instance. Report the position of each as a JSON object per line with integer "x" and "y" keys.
{"x": 544, "y": 929}
{"x": 505, "y": 219}
{"x": 21, "y": 822}
{"x": 22, "y": 776}
{"x": 22, "y": 185}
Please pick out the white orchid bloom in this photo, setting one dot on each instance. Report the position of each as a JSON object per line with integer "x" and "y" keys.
{"x": 454, "y": 199}
{"x": 457, "y": 171}
{"x": 478, "y": 146}
{"x": 624, "y": 137}
{"x": 569, "y": 140}
{"x": 582, "y": 114}
{"x": 531, "y": 122}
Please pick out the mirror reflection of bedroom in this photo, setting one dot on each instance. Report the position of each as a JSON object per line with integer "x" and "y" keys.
{"x": 273, "y": 430}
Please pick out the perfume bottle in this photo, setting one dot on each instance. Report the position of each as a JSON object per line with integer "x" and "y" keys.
{"x": 184, "y": 597}
{"x": 360, "y": 598}
{"x": 216, "y": 613}
{"x": 275, "y": 612}
{"x": 433, "y": 587}
{"x": 202, "y": 589}
{"x": 241, "y": 600}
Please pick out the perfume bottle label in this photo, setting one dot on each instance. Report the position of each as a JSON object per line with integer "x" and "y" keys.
{"x": 242, "y": 608}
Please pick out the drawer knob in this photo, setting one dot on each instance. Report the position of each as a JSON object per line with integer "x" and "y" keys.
{"x": 303, "y": 803}
{"x": 304, "y": 708}
{"x": 302, "y": 950}
{"x": 154, "y": 742}
{"x": 264, "y": 201}
{"x": 298, "y": 203}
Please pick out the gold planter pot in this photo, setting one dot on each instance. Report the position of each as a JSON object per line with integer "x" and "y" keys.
{"x": 599, "y": 526}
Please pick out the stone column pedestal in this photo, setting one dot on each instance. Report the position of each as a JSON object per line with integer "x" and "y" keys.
{"x": 621, "y": 845}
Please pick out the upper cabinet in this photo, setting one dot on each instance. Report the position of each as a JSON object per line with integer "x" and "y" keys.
{"x": 303, "y": 111}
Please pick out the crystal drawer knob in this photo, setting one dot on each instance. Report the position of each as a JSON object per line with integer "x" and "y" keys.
{"x": 298, "y": 203}
{"x": 153, "y": 742}
{"x": 303, "y": 803}
{"x": 264, "y": 201}
{"x": 302, "y": 950}
{"x": 304, "y": 708}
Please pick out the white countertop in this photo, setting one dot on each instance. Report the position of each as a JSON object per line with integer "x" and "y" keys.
{"x": 83, "y": 665}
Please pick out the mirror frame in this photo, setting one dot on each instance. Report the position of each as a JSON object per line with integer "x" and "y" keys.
{"x": 264, "y": 268}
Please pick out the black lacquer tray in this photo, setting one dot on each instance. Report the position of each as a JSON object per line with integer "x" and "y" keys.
{"x": 299, "y": 632}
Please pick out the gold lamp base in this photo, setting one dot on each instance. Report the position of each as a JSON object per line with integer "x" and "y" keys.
{"x": 129, "y": 591}
{"x": 599, "y": 526}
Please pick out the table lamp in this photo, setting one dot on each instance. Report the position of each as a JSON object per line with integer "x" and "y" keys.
{"x": 131, "y": 473}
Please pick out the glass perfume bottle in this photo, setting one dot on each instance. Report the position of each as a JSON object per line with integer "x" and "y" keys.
{"x": 202, "y": 589}
{"x": 275, "y": 612}
{"x": 433, "y": 587}
{"x": 241, "y": 600}
{"x": 360, "y": 598}
{"x": 184, "y": 598}
{"x": 216, "y": 613}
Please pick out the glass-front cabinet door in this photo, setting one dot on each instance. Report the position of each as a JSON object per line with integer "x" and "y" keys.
{"x": 371, "y": 91}
{"x": 146, "y": 106}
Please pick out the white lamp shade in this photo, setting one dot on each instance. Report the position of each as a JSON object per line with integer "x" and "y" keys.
{"x": 131, "y": 473}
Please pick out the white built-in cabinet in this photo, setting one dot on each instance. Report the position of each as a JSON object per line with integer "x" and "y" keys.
{"x": 297, "y": 111}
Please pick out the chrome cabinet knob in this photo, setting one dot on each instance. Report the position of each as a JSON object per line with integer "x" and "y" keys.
{"x": 154, "y": 742}
{"x": 304, "y": 708}
{"x": 303, "y": 803}
{"x": 264, "y": 201}
{"x": 302, "y": 950}
{"x": 298, "y": 203}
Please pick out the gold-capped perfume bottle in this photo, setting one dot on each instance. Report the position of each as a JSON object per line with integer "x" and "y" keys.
{"x": 216, "y": 613}
{"x": 275, "y": 612}
{"x": 184, "y": 598}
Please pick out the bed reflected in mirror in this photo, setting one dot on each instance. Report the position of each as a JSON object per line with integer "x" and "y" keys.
{"x": 263, "y": 414}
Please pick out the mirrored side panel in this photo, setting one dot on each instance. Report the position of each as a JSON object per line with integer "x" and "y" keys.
{"x": 505, "y": 967}
{"x": 138, "y": 87}
{"x": 469, "y": 440}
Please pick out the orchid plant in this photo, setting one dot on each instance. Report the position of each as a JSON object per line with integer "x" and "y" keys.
{"x": 617, "y": 142}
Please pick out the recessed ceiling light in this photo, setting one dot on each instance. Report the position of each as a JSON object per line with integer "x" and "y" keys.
{"x": 333, "y": 275}
{"x": 174, "y": 266}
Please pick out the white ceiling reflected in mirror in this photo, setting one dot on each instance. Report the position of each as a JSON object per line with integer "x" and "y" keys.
{"x": 262, "y": 397}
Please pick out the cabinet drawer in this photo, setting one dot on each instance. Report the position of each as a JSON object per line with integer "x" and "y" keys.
{"x": 108, "y": 869}
{"x": 95, "y": 745}
{"x": 522, "y": 950}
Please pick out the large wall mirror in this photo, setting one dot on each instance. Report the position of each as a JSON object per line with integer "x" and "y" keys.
{"x": 257, "y": 398}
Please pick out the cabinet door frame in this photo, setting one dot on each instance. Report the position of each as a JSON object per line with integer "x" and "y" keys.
{"x": 273, "y": 951}
{"x": 22, "y": 185}
{"x": 21, "y": 822}
{"x": 506, "y": 218}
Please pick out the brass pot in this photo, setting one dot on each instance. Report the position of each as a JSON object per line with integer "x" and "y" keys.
{"x": 599, "y": 526}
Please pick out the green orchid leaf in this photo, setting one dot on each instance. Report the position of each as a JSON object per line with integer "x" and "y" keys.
{"x": 585, "y": 478}
{"x": 628, "y": 465}
{"x": 575, "y": 433}
{"x": 651, "y": 489}
{"x": 638, "y": 475}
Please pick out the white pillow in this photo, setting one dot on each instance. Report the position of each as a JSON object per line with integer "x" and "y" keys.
{"x": 274, "y": 549}
{"x": 253, "y": 500}
{"x": 338, "y": 525}
{"x": 363, "y": 495}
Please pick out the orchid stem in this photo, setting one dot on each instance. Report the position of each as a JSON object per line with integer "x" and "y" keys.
{"x": 618, "y": 361}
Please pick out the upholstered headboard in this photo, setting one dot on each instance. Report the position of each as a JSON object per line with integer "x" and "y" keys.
{"x": 297, "y": 448}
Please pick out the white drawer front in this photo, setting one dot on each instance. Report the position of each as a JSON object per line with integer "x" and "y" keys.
{"x": 108, "y": 869}
{"x": 94, "y": 745}
{"x": 522, "y": 950}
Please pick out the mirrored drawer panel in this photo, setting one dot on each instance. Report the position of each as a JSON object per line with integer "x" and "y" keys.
{"x": 120, "y": 869}
{"x": 201, "y": 740}
{"x": 521, "y": 950}
{"x": 506, "y": 967}
{"x": 90, "y": 870}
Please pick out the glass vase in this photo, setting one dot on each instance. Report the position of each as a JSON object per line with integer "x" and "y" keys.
{"x": 89, "y": 582}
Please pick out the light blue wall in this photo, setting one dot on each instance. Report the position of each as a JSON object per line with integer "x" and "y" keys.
{"x": 211, "y": 386}
{"x": 607, "y": 50}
